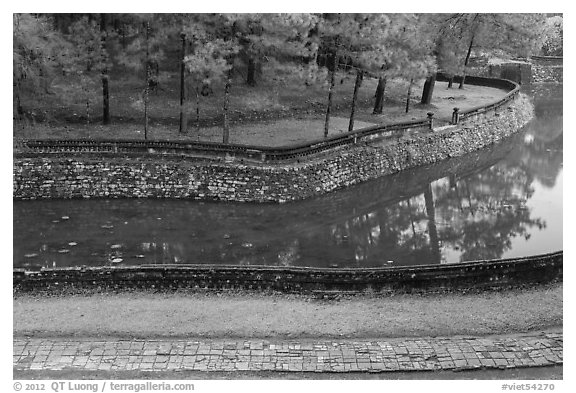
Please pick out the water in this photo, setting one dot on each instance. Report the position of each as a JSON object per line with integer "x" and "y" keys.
{"x": 505, "y": 201}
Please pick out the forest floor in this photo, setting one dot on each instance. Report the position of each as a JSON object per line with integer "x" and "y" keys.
{"x": 276, "y": 112}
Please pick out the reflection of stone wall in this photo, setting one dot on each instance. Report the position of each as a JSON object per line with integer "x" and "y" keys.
{"x": 97, "y": 175}
{"x": 547, "y": 74}
{"x": 462, "y": 276}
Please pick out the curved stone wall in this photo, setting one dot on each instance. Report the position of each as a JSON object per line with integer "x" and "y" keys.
{"x": 504, "y": 273}
{"x": 115, "y": 175}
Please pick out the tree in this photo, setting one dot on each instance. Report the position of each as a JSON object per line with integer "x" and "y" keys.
{"x": 88, "y": 61}
{"x": 264, "y": 38}
{"x": 405, "y": 53}
{"x": 500, "y": 34}
{"x": 207, "y": 64}
{"x": 367, "y": 49}
{"x": 447, "y": 60}
{"x": 143, "y": 54}
{"x": 406, "y": 47}
{"x": 341, "y": 38}
{"x": 37, "y": 52}
{"x": 104, "y": 33}
{"x": 553, "y": 36}
{"x": 282, "y": 37}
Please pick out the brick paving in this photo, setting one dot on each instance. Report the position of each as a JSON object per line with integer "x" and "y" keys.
{"x": 412, "y": 354}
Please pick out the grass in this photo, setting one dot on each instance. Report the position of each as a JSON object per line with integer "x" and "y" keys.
{"x": 149, "y": 315}
{"x": 278, "y": 111}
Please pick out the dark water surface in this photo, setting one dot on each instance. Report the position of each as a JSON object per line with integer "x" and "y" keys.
{"x": 504, "y": 201}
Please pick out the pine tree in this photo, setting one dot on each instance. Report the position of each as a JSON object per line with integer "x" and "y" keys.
{"x": 282, "y": 38}
{"x": 397, "y": 47}
{"x": 143, "y": 53}
{"x": 87, "y": 61}
{"x": 508, "y": 35}
{"x": 37, "y": 53}
{"x": 264, "y": 38}
{"x": 367, "y": 49}
{"x": 553, "y": 37}
{"x": 208, "y": 64}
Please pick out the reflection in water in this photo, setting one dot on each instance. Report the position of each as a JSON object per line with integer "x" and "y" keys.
{"x": 500, "y": 202}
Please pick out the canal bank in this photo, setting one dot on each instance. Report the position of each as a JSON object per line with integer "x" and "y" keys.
{"x": 59, "y": 171}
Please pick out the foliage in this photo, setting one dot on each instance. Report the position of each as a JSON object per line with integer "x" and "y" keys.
{"x": 273, "y": 38}
{"x": 408, "y": 46}
{"x": 37, "y": 51}
{"x": 86, "y": 54}
{"x": 86, "y": 59}
{"x": 211, "y": 57}
{"x": 147, "y": 37}
{"x": 553, "y": 37}
{"x": 505, "y": 35}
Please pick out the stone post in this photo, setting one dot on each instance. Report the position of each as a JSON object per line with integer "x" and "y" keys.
{"x": 431, "y": 120}
{"x": 455, "y": 116}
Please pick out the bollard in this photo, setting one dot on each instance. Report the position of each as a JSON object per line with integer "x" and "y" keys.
{"x": 431, "y": 120}
{"x": 455, "y": 116}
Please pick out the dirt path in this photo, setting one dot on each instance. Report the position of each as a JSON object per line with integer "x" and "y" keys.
{"x": 148, "y": 315}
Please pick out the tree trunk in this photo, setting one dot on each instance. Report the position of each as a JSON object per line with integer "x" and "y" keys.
{"x": 450, "y": 82}
{"x": 19, "y": 108}
{"x": 409, "y": 94}
{"x": 105, "y": 89}
{"x": 226, "y": 130}
{"x": 87, "y": 108}
{"x": 183, "y": 115}
{"x": 466, "y": 62}
{"x": 432, "y": 229}
{"x": 197, "y": 112}
{"x": 251, "y": 78}
{"x": 146, "y": 88}
{"x": 379, "y": 102}
{"x": 330, "y": 92}
{"x": 105, "y": 98}
{"x": 428, "y": 90}
{"x": 359, "y": 77}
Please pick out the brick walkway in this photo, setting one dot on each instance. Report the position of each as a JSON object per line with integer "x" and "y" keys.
{"x": 458, "y": 353}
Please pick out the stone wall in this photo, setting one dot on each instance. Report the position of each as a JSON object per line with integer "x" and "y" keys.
{"x": 505, "y": 273}
{"x": 110, "y": 175}
{"x": 539, "y": 69}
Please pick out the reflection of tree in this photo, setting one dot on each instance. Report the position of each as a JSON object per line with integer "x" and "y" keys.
{"x": 475, "y": 210}
{"x": 432, "y": 229}
{"x": 388, "y": 234}
{"x": 541, "y": 154}
{"x": 485, "y": 211}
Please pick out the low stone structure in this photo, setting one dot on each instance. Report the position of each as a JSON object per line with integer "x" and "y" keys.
{"x": 114, "y": 175}
{"x": 503, "y": 273}
{"x": 539, "y": 69}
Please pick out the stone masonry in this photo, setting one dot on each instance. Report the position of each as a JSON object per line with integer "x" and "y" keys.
{"x": 93, "y": 176}
{"x": 339, "y": 356}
